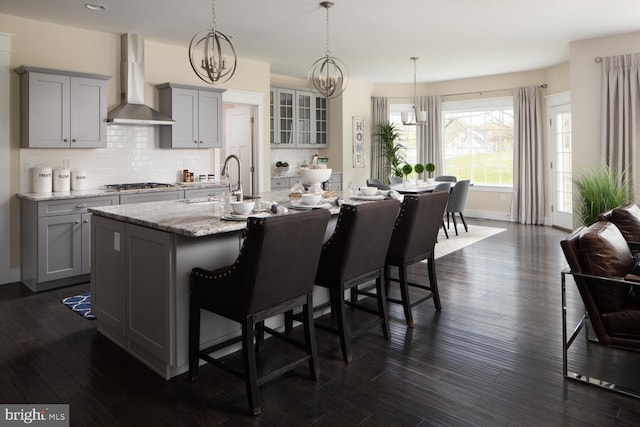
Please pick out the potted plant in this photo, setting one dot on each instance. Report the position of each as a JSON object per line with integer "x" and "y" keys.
{"x": 406, "y": 170}
{"x": 419, "y": 168}
{"x": 600, "y": 190}
{"x": 391, "y": 150}
{"x": 430, "y": 168}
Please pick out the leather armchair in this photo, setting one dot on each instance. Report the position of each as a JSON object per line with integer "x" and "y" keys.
{"x": 600, "y": 263}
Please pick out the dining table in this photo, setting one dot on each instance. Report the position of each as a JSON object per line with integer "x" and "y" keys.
{"x": 414, "y": 188}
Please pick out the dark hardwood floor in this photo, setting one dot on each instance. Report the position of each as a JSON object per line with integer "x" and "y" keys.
{"x": 492, "y": 356}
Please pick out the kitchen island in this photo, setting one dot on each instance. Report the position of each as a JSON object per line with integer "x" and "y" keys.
{"x": 142, "y": 256}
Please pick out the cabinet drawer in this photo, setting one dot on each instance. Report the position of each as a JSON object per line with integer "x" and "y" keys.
{"x": 279, "y": 183}
{"x": 205, "y": 192}
{"x": 67, "y": 206}
{"x": 150, "y": 197}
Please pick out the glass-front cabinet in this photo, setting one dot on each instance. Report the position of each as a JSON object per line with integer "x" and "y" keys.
{"x": 298, "y": 119}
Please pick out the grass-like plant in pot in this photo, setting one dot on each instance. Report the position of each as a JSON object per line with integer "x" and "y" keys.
{"x": 391, "y": 150}
{"x": 600, "y": 190}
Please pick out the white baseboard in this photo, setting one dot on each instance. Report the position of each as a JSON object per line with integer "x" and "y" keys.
{"x": 495, "y": 215}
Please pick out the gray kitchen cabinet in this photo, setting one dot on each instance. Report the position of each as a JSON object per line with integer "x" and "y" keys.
{"x": 62, "y": 109}
{"x": 197, "y": 113}
{"x": 56, "y": 241}
{"x": 297, "y": 119}
{"x": 155, "y": 196}
{"x": 335, "y": 181}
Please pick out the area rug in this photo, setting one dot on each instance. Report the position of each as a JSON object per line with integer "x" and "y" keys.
{"x": 453, "y": 243}
{"x": 80, "y": 304}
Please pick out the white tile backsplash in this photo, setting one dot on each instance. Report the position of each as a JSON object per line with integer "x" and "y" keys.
{"x": 132, "y": 155}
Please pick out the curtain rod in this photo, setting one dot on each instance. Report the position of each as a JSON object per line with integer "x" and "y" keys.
{"x": 479, "y": 92}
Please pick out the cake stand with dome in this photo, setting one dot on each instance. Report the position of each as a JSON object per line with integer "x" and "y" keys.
{"x": 314, "y": 178}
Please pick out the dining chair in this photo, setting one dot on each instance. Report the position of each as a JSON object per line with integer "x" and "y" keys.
{"x": 372, "y": 182}
{"x": 413, "y": 239}
{"x": 444, "y": 186}
{"x": 458, "y": 202}
{"x": 273, "y": 274}
{"x": 355, "y": 255}
{"x": 446, "y": 178}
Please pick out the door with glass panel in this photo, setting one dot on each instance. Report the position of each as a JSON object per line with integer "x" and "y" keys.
{"x": 560, "y": 166}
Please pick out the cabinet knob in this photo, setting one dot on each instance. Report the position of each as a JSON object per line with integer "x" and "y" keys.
{"x": 86, "y": 221}
{"x": 74, "y": 140}
{"x": 66, "y": 139}
{"x": 77, "y": 222}
{"x": 195, "y": 142}
{"x": 81, "y": 205}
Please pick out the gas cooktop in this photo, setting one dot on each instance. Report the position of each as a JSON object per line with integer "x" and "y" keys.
{"x": 136, "y": 186}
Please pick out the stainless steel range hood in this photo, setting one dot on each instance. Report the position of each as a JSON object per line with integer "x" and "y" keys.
{"x": 132, "y": 110}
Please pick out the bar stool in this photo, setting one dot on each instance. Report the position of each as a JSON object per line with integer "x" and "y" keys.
{"x": 355, "y": 255}
{"x": 413, "y": 240}
{"x": 273, "y": 274}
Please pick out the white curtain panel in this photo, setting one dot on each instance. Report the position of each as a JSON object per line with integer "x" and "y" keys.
{"x": 620, "y": 125}
{"x": 429, "y": 137}
{"x": 529, "y": 185}
{"x": 380, "y": 115}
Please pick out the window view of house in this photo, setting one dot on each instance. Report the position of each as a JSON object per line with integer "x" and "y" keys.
{"x": 478, "y": 142}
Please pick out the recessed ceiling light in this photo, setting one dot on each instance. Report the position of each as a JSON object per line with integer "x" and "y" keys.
{"x": 95, "y": 6}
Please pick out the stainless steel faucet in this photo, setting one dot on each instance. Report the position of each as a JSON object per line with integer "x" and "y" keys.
{"x": 238, "y": 191}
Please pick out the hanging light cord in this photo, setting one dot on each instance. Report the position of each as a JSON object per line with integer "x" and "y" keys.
{"x": 213, "y": 15}
{"x": 327, "y": 52}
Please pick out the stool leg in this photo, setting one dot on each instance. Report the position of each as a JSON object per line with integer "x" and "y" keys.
{"x": 382, "y": 306}
{"x": 250, "y": 371}
{"x": 288, "y": 322}
{"x": 433, "y": 282}
{"x": 404, "y": 292}
{"x": 310, "y": 338}
{"x": 337, "y": 295}
{"x": 259, "y": 336}
{"x": 194, "y": 340}
{"x": 387, "y": 278}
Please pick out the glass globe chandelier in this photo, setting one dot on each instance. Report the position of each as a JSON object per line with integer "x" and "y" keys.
{"x": 211, "y": 53}
{"x": 328, "y": 76}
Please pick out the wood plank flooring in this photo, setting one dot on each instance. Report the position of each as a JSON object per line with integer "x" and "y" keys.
{"x": 491, "y": 357}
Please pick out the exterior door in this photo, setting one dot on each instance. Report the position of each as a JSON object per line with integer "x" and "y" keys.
{"x": 561, "y": 181}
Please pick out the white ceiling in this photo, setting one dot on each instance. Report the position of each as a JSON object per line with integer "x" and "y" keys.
{"x": 375, "y": 38}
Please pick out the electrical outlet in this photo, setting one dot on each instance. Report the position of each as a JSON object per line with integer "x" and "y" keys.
{"x": 503, "y": 197}
{"x": 27, "y": 165}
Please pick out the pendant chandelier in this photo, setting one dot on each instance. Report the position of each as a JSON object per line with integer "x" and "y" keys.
{"x": 211, "y": 54}
{"x": 328, "y": 76}
{"x": 419, "y": 117}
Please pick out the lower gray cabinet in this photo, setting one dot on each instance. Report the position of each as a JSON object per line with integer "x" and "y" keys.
{"x": 55, "y": 241}
{"x": 150, "y": 197}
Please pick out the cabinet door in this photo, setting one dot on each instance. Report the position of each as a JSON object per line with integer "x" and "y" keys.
{"x": 85, "y": 259}
{"x": 209, "y": 114}
{"x": 149, "y": 269}
{"x": 150, "y": 197}
{"x": 320, "y": 122}
{"x": 47, "y": 111}
{"x": 59, "y": 247}
{"x": 273, "y": 121}
{"x": 305, "y": 125}
{"x": 286, "y": 121}
{"x": 184, "y": 110}
{"x": 88, "y": 110}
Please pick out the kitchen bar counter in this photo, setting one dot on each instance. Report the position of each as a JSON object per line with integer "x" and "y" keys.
{"x": 142, "y": 256}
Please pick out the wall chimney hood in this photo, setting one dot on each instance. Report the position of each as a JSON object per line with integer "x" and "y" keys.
{"x": 132, "y": 110}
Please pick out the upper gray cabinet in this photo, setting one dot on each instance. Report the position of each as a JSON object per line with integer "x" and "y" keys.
{"x": 298, "y": 119}
{"x": 62, "y": 109}
{"x": 197, "y": 113}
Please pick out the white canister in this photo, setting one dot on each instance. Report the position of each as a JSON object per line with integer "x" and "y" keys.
{"x": 41, "y": 179}
{"x": 78, "y": 179}
{"x": 61, "y": 179}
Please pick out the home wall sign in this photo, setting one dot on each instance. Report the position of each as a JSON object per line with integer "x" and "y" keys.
{"x": 357, "y": 128}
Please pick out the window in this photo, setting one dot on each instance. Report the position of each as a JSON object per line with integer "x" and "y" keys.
{"x": 477, "y": 138}
{"x": 408, "y": 133}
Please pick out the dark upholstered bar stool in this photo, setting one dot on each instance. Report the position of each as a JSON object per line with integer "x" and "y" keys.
{"x": 274, "y": 273}
{"x": 355, "y": 255}
{"x": 413, "y": 240}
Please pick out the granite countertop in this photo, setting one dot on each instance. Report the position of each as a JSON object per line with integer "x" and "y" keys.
{"x": 98, "y": 192}
{"x": 197, "y": 217}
